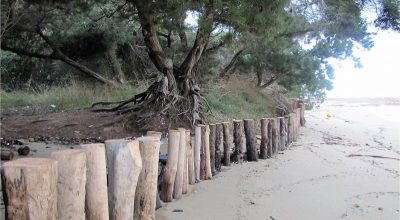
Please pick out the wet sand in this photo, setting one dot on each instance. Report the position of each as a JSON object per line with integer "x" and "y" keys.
{"x": 327, "y": 174}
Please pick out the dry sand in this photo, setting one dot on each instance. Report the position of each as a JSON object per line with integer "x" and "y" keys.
{"x": 316, "y": 178}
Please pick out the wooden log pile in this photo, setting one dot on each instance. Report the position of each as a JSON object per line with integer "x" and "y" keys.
{"x": 119, "y": 179}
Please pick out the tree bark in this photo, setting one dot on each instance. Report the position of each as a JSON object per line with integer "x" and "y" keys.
{"x": 228, "y": 67}
{"x": 189, "y": 145}
{"x": 259, "y": 78}
{"x": 124, "y": 165}
{"x": 212, "y": 148}
{"x": 96, "y": 186}
{"x": 237, "y": 139}
{"x": 218, "y": 146}
{"x": 167, "y": 187}
{"x": 264, "y": 138}
{"x": 227, "y": 142}
{"x": 178, "y": 185}
{"x": 197, "y": 158}
{"x": 114, "y": 63}
{"x": 146, "y": 190}
{"x": 29, "y": 188}
{"x": 71, "y": 166}
{"x": 251, "y": 140}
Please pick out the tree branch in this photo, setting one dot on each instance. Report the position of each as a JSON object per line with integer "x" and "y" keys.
{"x": 231, "y": 63}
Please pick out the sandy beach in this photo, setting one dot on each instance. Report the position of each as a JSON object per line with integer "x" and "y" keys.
{"x": 342, "y": 167}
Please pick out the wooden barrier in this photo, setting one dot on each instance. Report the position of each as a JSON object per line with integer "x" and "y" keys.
{"x": 251, "y": 141}
{"x": 197, "y": 146}
{"x": 237, "y": 140}
{"x": 190, "y": 153}
{"x": 29, "y": 188}
{"x": 203, "y": 168}
{"x": 275, "y": 134}
{"x": 124, "y": 165}
{"x": 146, "y": 190}
{"x": 167, "y": 186}
{"x": 158, "y": 135}
{"x": 218, "y": 147}
{"x": 283, "y": 133}
{"x": 71, "y": 183}
{"x": 212, "y": 148}
{"x": 302, "y": 112}
{"x": 227, "y": 141}
{"x": 96, "y": 185}
{"x": 186, "y": 165}
{"x": 270, "y": 137}
{"x": 178, "y": 184}
{"x": 264, "y": 138}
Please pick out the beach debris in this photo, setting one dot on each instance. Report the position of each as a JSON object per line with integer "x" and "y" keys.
{"x": 272, "y": 218}
{"x": 177, "y": 210}
{"x": 24, "y": 150}
{"x": 374, "y": 156}
{"x": 7, "y": 155}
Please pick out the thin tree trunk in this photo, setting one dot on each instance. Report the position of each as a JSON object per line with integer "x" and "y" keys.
{"x": 228, "y": 67}
{"x": 114, "y": 63}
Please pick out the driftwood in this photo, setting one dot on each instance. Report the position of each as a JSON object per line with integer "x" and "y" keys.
{"x": 264, "y": 138}
{"x": 124, "y": 165}
{"x": 251, "y": 140}
{"x": 237, "y": 139}
{"x": 178, "y": 185}
{"x": 227, "y": 153}
{"x": 71, "y": 183}
{"x": 29, "y": 188}
{"x": 212, "y": 148}
{"x": 146, "y": 190}
{"x": 96, "y": 186}
{"x": 167, "y": 186}
{"x": 218, "y": 146}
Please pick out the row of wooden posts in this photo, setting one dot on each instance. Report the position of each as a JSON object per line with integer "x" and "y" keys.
{"x": 119, "y": 179}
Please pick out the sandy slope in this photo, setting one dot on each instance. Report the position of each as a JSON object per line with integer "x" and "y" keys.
{"x": 316, "y": 178}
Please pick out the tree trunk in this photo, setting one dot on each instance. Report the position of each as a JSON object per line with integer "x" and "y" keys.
{"x": 197, "y": 158}
{"x": 146, "y": 190}
{"x": 114, "y": 63}
{"x": 96, "y": 186}
{"x": 167, "y": 187}
{"x": 71, "y": 183}
{"x": 264, "y": 138}
{"x": 251, "y": 140}
{"x": 227, "y": 142}
{"x": 218, "y": 146}
{"x": 191, "y": 173}
{"x": 124, "y": 165}
{"x": 259, "y": 78}
{"x": 237, "y": 139}
{"x": 212, "y": 148}
{"x": 29, "y": 188}
{"x": 228, "y": 67}
{"x": 181, "y": 165}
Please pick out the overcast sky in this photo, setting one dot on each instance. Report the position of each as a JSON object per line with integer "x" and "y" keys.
{"x": 380, "y": 74}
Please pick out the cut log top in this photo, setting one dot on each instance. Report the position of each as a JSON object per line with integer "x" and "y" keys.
{"x": 67, "y": 153}
{"x": 154, "y": 133}
{"x": 30, "y": 162}
{"x": 148, "y": 138}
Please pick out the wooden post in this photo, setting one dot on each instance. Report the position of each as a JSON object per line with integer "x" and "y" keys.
{"x": 295, "y": 125}
{"x": 278, "y": 130}
{"x": 291, "y": 127}
{"x": 227, "y": 153}
{"x": 251, "y": 140}
{"x": 237, "y": 139}
{"x": 274, "y": 136}
{"x": 124, "y": 165}
{"x": 71, "y": 183}
{"x": 264, "y": 138}
{"x": 212, "y": 148}
{"x": 191, "y": 173}
{"x": 186, "y": 165}
{"x": 283, "y": 133}
{"x": 29, "y": 188}
{"x": 302, "y": 112}
{"x": 208, "y": 154}
{"x": 146, "y": 190}
{"x": 218, "y": 146}
{"x": 203, "y": 169}
{"x": 167, "y": 187}
{"x": 96, "y": 182}
{"x": 287, "y": 130}
{"x": 270, "y": 137}
{"x": 181, "y": 165}
{"x": 158, "y": 135}
{"x": 197, "y": 146}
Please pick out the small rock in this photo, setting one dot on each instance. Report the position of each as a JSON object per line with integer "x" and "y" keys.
{"x": 380, "y": 209}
